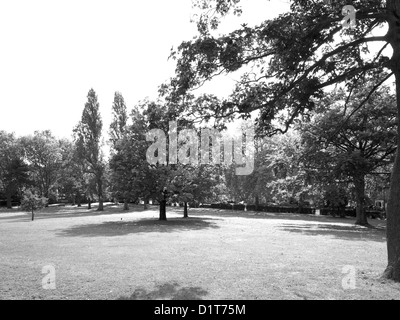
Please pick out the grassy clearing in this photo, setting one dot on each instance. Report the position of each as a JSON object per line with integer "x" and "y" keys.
{"x": 214, "y": 254}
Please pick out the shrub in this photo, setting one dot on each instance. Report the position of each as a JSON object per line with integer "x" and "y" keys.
{"x": 31, "y": 202}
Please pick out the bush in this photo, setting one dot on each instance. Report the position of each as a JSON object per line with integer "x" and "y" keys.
{"x": 31, "y": 202}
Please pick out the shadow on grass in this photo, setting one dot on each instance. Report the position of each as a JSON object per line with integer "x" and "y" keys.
{"x": 121, "y": 228}
{"x": 277, "y": 216}
{"x": 167, "y": 291}
{"x": 69, "y": 212}
{"x": 344, "y": 232}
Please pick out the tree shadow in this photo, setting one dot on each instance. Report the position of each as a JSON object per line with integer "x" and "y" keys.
{"x": 344, "y": 232}
{"x": 170, "y": 291}
{"x": 121, "y": 228}
{"x": 70, "y": 212}
{"x": 277, "y": 216}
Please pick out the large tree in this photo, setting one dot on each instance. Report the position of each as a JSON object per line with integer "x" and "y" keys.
{"x": 44, "y": 155}
{"x": 194, "y": 184}
{"x": 132, "y": 176}
{"x": 362, "y": 145}
{"x": 120, "y": 156}
{"x": 290, "y": 61}
{"x": 154, "y": 177}
{"x": 73, "y": 182}
{"x": 14, "y": 172}
{"x": 87, "y": 135}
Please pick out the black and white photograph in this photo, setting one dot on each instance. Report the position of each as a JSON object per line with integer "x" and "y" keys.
{"x": 195, "y": 156}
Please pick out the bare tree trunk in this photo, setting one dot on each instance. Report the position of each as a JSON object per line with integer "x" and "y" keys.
{"x": 90, "y": 204}
{"x": 78, "y": 199}
{"x": 9, "y": 200}
{"x": 393, "y": 209}
{"x": 101, "y": 205}
{"x": 100, "y": 193}
{"x": 257, "y": 202}
{"x": 145, "y": 204}
{"x": 361, "y": 217}
{"x": 393, "y": 223}
{"x": 126, "y": 204}
{"x": 33, "y": 215}
{"x": 185, "y": 210}
{"x": 163, "y": 210}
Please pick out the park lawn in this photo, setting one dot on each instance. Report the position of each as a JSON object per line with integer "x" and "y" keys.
{"x": 214, "y": 254}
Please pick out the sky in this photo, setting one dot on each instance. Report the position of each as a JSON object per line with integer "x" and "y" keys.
{"x": 53, "y": 52}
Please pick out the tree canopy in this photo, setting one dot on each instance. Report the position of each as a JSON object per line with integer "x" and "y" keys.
{"x": 290, "y": 62}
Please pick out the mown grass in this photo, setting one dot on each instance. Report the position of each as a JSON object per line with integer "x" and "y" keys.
{"x": 214, "y": 254}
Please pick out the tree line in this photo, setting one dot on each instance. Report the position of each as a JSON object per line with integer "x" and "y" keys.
{"x": 311, "y": 164}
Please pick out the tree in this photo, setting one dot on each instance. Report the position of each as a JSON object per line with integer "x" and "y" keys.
{"x": 124, "y": 166}
{"x": 87, "y": 136}
{"x": 14, "y": 172}
{"x": 154, "y": 178}
{"x": 43, "y": 154}
{"x": 119, "y": 157}
{"x": 290, "y": 182}
{"x": 31, "y": 202}
{"x": 73, "y": 181}
{"x": 363, "y": 144}
{"x": 120, "y": 119}
{"x": 336, "y": 198}
{"x": 294, "y": 59}
{"x": 132, "y": 176}
{"x": 193, "y": 184}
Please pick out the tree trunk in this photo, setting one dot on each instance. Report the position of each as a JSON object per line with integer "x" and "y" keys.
{"x": 185, "y": 210}
{"x": 393, "y": 222}
{"x": 89, "y": 204}
{"x": 393, "y": 209}
{"x": 46, "y": 195}
{"x": 163, "y": 210}
{"x": 33, "y": 215}
{"x": 101, "y": 205}
{"x": 126, "y": 204}
{"x": 100, "y": 193}
{"x": 78, "y": 199}
{"x": 9, "y": 200}
{"x": 361, "y": 217}
{"x": 257, "y": 202}
{"x": 145, "y": 204}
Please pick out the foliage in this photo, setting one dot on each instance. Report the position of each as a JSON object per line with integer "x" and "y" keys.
{"x": 87, "y": 136}
{"x": 120, "y": 119}
{"x": 32, "y": 201}
{"x": 43, "y": 153}
{"x": 289, "y": 62}
{"x": 340, "y": 149}
{"x": 14, "y": 171}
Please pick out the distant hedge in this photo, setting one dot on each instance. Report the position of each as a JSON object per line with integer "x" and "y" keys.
{"x": 291, "y": 209}
{"x": 3, "y": 203}
{"x": 264, "y": 208}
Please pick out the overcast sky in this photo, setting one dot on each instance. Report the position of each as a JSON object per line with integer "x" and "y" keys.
{"x": 53, "y": 52}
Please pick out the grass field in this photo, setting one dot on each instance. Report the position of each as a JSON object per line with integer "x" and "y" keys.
{"x": 214, "y": 254}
